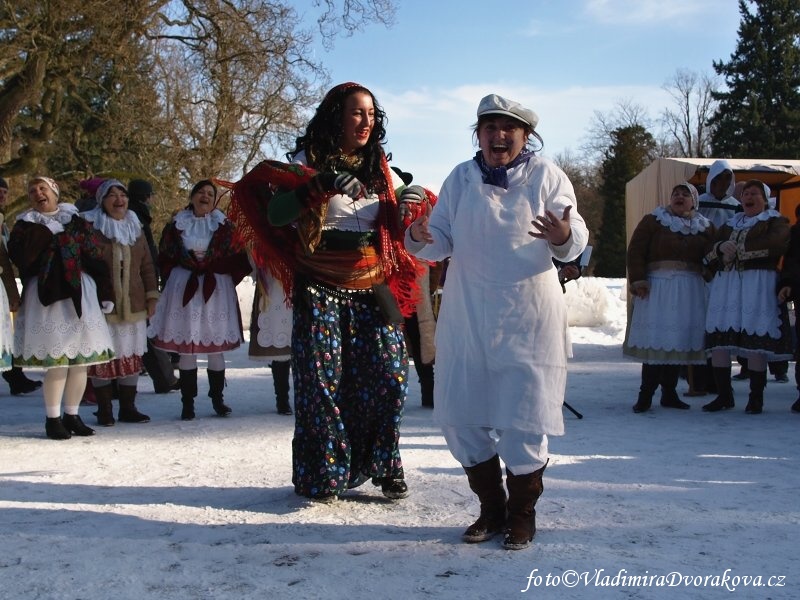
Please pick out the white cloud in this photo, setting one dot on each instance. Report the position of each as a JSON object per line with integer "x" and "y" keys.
{"x": 656, "y": 12}
{"x": 430, "y": 130}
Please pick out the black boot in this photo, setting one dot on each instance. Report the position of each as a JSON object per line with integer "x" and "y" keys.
{"x": 796, "y": 406}
{"x": 74, "y": 425}
{"x": 281, "y": 370}
{"x": 188, "y": 381}
{"x": 128, "y": 413}
{"x": 755, "y": 403}
{"x": 105, "y": 411}
{"x": 216, "y": 383}
{"x": 523, "y": 492}
{"x": 724, "y": 399}
{"x": 18, "y": 383}
{"x": 650, "y": 381}
{"x": 486, "y": 480}
{"x": 55, "y": 430}
{"x": 425, "y": 373}
{"x": 669, "y": 383}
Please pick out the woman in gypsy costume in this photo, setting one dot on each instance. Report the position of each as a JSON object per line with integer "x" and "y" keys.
{"x": 127, "y": 255}
{"x": 331, "y": 233}
{"x": 746, "y": 314}
{"x": 66, "y": 289}
{"x": 666, "y": 328}
{"x": 198, "y": 311}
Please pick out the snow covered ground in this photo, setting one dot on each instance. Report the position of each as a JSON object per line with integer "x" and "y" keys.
{"x": 667, "y": 504}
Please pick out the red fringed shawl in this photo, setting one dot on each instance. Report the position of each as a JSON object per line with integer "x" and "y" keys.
{"x": 277, "y": 248}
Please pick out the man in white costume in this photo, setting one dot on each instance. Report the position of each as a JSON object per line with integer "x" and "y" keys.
{"x": 718, "y": 204}
{"x": 502, "y": 339}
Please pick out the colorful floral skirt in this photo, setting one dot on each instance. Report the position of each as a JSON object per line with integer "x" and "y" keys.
{"x": 350, "y": 380}
{"x": 54, "y": 336}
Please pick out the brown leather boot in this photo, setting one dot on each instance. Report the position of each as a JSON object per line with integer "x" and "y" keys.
{"x": 523, "y": 492}
{"x": 127, "y": 406}
{"x": 486, "y": 480}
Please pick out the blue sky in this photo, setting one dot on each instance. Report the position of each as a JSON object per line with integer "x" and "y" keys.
{"x": 565, "y": 59}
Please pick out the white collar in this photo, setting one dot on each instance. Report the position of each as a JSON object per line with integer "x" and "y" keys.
{"x": 63, "y": 214}
{"x": 695, "y": 224}
{"x": 186, "y": 222}
{"x": 124, "y": 231}
{"x": 741, "y": 221}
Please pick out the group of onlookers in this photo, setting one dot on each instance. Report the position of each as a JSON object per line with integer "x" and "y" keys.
{"x": 710, "y": 277}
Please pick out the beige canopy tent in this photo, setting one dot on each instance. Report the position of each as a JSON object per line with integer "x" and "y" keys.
{"x": 654, "y": 184}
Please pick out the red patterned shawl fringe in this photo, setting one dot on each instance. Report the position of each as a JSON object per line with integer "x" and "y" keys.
{"x": 276, "y": 248}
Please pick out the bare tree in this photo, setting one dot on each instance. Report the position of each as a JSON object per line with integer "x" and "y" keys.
{"x": 686, "y": 124}
{"x": 601, "y": 131}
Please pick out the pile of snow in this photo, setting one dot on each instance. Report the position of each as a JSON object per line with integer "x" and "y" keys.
{"x": 665, "y": 504}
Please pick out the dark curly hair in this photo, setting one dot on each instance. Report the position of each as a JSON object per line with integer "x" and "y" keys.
{"x": 322, "y": 138}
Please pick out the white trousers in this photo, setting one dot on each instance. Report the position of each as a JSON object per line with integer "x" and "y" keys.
{"x": 521, "y": 451}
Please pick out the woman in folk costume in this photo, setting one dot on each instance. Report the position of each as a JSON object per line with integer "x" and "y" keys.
{"x": 18, "y": 382}
{"x": 271, "y": 335}
{"x": 502, "y": 340}
{"x": 9, "y": 301}
{"x": 126, "y": 253}
{"x": 666, "y": 328}
{"x": 331, "y": 233}
{"x": 66, "y": 289}
{"x": 198, "y": 311}
{"x": 746, "y": 314}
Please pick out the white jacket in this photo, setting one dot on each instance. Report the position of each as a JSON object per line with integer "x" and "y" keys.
{"x": 502, "y": 340}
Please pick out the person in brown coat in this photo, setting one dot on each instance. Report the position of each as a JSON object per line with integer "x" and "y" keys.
{"x": 125, "y": 251}
{"x": 746, "y": 313}
{"x": 665, "y": 277}
{"x": 66, "y": 289}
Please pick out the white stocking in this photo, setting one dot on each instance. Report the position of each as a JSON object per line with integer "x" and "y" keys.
{"x": 73, "y": 392}
{"x": 53, "y": 390}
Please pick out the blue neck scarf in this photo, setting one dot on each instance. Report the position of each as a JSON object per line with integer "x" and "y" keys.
{"x": 499, "y": 175}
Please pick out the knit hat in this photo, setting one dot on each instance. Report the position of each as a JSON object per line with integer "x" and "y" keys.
{"x": 106, "y": 186}
{"x": 90, "y": 185}
{"x": 48, "y": 181}
{"x": 497, "y": 105}
{"x": 139, "y": 190}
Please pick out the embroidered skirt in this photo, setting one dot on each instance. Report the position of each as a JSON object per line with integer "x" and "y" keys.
{"x": 744, "y": 315}
{"x": 54, "y": 336}
{"x": 350, "y": 380}
{"x": 667, "y": 327}
{"x": 6, "y": 332}
{"x": 270, "y": 324}
{"x": 199, "y": 327}
{"x": 130, "y": 343}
